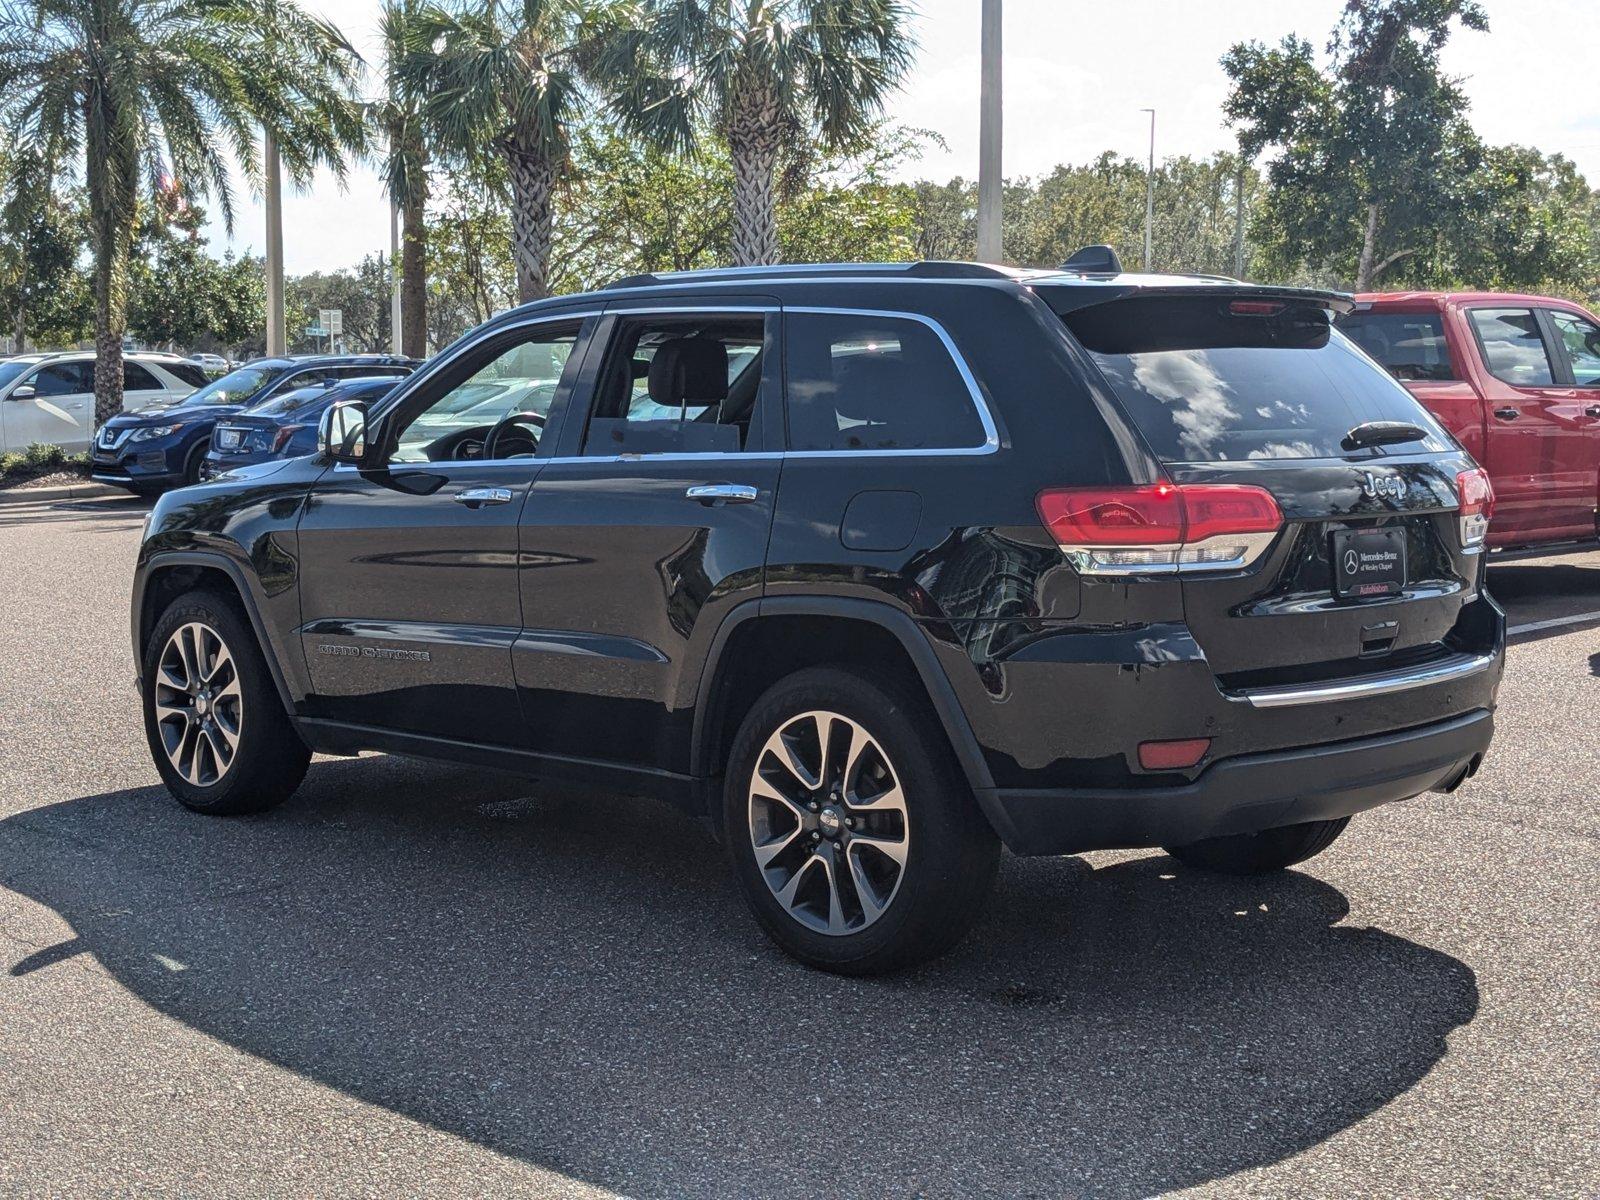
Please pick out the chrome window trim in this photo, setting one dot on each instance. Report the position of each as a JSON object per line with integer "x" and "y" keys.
{"x": 1383, "y": 684}
{"x": 990, "y": 445}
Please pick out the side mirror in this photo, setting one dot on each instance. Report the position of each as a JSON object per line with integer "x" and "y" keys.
{"x": 26, "y": 392}
{"x": 342, "y": 432}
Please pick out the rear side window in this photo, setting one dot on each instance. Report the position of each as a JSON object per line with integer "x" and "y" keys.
{"x": 1204, "y": 384}
{"x": 1410, "y": 345}
{"x": 864, "y": 382}
{"x": 1512, "y": 348}
{"x": 191, "y": 374}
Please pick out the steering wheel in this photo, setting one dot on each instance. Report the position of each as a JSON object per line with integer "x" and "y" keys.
{"x": 492, "y": 447}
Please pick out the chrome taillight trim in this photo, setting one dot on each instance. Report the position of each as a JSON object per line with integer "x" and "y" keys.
{"x": 1086, "y": 561}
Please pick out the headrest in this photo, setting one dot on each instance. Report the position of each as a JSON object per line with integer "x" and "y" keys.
{"x": 870, "y": 387}
{"x": 692, "y": 369}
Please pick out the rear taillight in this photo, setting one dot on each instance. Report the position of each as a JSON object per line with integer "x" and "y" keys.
{"x": 281, "y": 438}
{"x": 1161, "y": 527}
{"x": 1477, "y": 506}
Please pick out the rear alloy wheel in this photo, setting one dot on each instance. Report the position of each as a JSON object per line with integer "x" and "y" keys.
{"x": 854, "y": 836}
{"x": 1260, "y": 853}
{"x": 828, "y": 823}
{"x": 216, "y": 726}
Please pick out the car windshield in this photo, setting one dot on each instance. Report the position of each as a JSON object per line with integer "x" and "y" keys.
{"x": 10, "y": 370}
{"x": 1206, "y": 380}
{"x": 236, "y": 387}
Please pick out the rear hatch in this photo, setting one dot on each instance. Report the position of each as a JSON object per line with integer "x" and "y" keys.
{"x": 1370, "y": 567}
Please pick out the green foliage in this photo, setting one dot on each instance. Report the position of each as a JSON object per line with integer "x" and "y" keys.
{"x": 362, "y": 296}
{"x": 19, "y": 466}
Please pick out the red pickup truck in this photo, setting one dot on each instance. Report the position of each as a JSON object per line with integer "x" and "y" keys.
{"x": 1517, "y": 380}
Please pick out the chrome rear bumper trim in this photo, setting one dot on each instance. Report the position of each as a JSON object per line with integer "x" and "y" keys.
{"x": 1382, "y": 684}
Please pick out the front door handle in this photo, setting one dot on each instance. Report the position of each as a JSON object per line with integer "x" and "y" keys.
{"x": 478, "y": 497}
{"x": 724, "y": 493}
{"x": 1508, "y": 413}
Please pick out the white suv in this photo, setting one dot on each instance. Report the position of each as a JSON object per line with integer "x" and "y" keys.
{"x": 49, "y": 398}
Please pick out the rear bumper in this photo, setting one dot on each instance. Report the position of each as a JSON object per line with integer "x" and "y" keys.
{"x": 1245, "y": 794}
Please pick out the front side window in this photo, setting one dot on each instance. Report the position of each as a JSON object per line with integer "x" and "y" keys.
{"x": 1409, "y": 345}
{"x": 64, "y": 379}
{"x": 678, "y": 384}
{"x": 1513, "y": 350}
{"x": 857, "y": 381}
{"x": 1582, "y": 340}
{"x": 497, "y": 408}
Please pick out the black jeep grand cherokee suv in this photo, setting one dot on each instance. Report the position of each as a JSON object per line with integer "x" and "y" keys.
{"x": 874, "y": 568}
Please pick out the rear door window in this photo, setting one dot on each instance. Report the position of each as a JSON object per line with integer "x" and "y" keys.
{"x": 1410, "y": 345}
{"x": 1513, "y": 349}
{"x": 861, "y": 381}
{"x": 1204, "y": 383}
{"x": 136, "y": 379}
{"x": 1581, "y": 340}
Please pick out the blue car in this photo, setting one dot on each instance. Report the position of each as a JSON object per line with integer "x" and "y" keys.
{"x": 284, "y": 426}
{"x": 163, "y": 447}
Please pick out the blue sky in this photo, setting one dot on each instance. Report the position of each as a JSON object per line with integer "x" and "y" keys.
{"x": 1076, "y": 75}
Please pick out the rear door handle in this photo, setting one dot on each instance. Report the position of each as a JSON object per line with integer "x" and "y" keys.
{"x": 1592, "y": 411}
{"x": 1508, "y": 413}
{"x": 725, "y": 493}
{"x": 478, "y": 497}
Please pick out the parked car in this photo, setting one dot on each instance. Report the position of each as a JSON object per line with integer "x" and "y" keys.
{"x": 49, "y": 398}
{"x": 164, "y": 446}
{"x": 1517, "y": 379}
{"x": 284, "y": 426}
{"x": 213, "y": 364}
{"x": 871, "y": 567}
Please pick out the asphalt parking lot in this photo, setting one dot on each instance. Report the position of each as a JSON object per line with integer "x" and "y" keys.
{"x": 423, "y": 980}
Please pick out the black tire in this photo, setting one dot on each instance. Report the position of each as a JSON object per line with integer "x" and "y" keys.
{"x": 1260, "y": 853}
{"x": 268, "y": 759}
{"x": 192, "y": 464}
{"x": 950, "y": 854}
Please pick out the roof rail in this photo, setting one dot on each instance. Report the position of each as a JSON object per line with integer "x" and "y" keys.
{"x": 925, "y": 269}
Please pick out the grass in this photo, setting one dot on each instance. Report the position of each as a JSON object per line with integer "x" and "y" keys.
{"x": 38, "y": 461}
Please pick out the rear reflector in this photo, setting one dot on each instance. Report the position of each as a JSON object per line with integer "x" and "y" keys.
{"x": 1172, "y": 756}
{"x": 1477, "y": 505}
{"x": 1160, "y": 527}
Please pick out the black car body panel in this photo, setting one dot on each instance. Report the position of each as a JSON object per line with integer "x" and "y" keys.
{"x": 582, "y": 621}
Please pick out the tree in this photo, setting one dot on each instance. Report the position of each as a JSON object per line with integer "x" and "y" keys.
{"x": 405, "y": 170}
{"x": 757, "y": 76}
{"x": 41, "y": 237}
{"x": 1373, "y": 150}
{"x": 361, "y": 296}
{"x": 507, "y": 76}
{"x": 154, "y": 95}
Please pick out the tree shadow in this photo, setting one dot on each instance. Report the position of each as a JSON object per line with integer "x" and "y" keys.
{"x": 572, "y": 979}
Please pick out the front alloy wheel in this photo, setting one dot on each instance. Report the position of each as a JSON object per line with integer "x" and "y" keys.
{"x": 828, "y": 823}
{"x": 199, "y": 705}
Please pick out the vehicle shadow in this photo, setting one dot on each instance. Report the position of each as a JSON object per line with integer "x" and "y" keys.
{"x": 571, "y": 979}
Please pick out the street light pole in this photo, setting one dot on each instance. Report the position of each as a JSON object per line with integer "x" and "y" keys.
{"x": 1150, "y": 190}
{"x": 276, "y": 344}
{"x": 394, "y": 276}
{"x": 989, "y": 120}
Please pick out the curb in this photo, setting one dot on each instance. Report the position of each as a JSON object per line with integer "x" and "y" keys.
{"x": 64, "y": 491}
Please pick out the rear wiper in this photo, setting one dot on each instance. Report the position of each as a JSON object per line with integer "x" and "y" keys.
{"x": 1382, "y": 433}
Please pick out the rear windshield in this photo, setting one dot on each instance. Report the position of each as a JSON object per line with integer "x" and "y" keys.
{"x": 1206, "y": 385}
{"x": 1410, "y": 345}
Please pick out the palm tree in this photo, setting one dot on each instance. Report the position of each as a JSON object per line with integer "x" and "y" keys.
{"x": 507, "y": 77}
{"x": 758, "y": 73}
{"x": 405, "y": 172}
{"x": 156, "y": 94}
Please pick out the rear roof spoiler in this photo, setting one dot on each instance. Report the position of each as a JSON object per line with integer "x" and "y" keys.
{"x": 1068, "y": 294}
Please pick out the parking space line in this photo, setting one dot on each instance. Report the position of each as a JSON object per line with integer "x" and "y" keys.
{"x": 1552, "y": 623}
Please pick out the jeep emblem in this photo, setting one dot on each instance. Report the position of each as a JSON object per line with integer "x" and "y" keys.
{"x": 1382, "y": 487}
